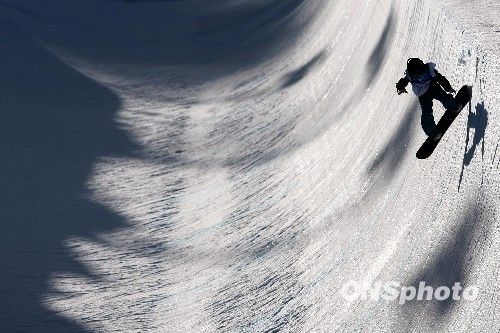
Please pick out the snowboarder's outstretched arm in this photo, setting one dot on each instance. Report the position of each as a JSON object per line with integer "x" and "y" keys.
{"x": 443, "y": 82}
{"x": 401, "y": 85}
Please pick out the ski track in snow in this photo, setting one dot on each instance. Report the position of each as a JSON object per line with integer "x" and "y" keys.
{"x": 178, "y": 166}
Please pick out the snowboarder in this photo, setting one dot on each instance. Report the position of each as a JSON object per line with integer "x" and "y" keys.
{"x": 427, "y": 84}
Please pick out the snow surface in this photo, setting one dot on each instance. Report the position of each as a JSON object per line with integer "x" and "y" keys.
{"x": 227, "y": 165}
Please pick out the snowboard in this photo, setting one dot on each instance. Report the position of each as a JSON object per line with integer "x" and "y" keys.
{"x": 463, "y": 97}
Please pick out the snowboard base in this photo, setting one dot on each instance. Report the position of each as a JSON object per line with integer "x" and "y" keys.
{"x": 463, "y": 97}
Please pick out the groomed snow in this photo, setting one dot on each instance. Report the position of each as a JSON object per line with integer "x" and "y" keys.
{"x": 203, "y": 166}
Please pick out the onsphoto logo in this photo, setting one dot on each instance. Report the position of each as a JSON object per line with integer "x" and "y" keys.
{"x": 394, "y": 291}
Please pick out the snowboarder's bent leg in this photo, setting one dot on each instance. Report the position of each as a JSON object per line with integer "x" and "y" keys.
{"x": 427, "y": 120}
{"x": 447, "y": 100}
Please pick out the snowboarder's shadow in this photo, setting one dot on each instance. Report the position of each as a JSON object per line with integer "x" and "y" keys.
{"x": 477, "y": 121}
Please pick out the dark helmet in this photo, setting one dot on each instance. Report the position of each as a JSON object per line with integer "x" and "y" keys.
{"x": 415, "y": 66}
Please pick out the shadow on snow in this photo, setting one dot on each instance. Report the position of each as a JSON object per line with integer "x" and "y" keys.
{"x": 477, "y": 121}
{"x": 55, "y": 124}
{"x": 298, "y": 74}
{"x": 378, "y": 55}
{"x": 452, "y": 263}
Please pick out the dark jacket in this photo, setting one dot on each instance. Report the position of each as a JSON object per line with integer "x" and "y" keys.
{"x": 421, "y": 83}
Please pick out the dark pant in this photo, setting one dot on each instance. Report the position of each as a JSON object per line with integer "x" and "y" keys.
{"x": 435, "y": 92}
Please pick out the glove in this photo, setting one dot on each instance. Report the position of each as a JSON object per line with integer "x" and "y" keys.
{"x": 400, "y": 88}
